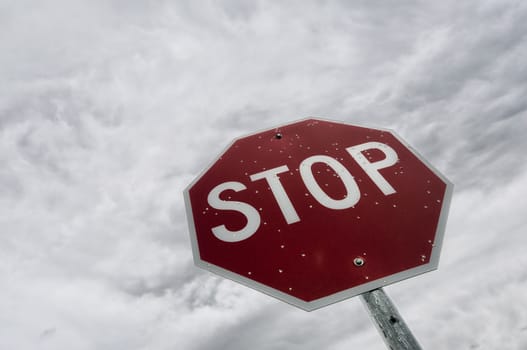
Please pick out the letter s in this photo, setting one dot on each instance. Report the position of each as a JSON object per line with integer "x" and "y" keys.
{"x": 252, "y": 216}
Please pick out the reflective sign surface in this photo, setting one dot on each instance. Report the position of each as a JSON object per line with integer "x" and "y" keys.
{"x": 317, "y": 211}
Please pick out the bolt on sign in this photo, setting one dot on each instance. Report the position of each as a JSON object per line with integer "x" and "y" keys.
{"x": 315, "y": 211}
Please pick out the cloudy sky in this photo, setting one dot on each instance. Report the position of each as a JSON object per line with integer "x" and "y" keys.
{"x": 109, "y": 109}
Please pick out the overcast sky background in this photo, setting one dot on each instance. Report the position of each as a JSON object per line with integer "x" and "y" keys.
{"x": 109, "y": 109}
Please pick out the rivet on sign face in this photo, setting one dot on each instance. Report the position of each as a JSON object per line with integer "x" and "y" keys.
{"x": 358, "y": 261}
{"x": 278, "y": 135}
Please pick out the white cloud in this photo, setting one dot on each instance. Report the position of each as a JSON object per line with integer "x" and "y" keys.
{"x": 108, "y": 110}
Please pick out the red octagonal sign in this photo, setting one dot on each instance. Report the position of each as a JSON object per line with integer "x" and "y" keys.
{"x": 315, "y": 211}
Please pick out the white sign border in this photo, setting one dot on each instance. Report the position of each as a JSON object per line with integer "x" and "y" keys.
{"x": 345, "y": 294}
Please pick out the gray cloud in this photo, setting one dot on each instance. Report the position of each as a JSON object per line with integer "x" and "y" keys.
{"x": 109, "y": 109}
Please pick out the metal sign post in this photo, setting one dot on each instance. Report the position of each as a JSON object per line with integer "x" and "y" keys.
{"x": 390, "y": 324}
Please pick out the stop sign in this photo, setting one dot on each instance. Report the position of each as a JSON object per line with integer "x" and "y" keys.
{"x": 317, "y": 211}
